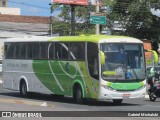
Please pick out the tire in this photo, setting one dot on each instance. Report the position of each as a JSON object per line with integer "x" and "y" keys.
{"x": 117, "y": 101}
{"x": 77, "y": 95}
{"x": 151, "y": 97}
{"x": 23, "y": 89}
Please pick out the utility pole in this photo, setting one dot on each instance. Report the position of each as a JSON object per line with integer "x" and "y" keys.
{"x": 73, "y": 20}
{"x": 97, "y": 10}
{"x": 50, "y": 19}
{"x": 51, "y": 25}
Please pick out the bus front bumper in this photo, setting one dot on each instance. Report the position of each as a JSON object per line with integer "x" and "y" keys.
{"x": 114, "y": 94}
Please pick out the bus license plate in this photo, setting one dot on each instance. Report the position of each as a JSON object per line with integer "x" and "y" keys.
{"x": 126, "y": 95}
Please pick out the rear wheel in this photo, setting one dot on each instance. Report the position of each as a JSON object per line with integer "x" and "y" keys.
{"x": 23, "y": 89}
{"x": 77, "y": 95}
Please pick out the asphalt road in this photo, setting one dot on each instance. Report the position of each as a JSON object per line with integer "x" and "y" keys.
{"x": 12, "y": 101}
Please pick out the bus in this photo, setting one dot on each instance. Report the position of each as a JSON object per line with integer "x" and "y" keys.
{"x": 98, "y": 67}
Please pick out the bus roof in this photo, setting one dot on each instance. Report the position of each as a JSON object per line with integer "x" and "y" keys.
{"x": 81, "y": 38}
{"x": 28, "y": 39}
{"x": 96, "y": 38}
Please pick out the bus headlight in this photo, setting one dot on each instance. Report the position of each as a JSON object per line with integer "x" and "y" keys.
{"x": 108, "y": 88}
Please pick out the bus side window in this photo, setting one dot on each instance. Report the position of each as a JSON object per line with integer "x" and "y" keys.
{"x": 35, "y": 50}
{"x": 6, "y": 49}
{"x": 23, "y": 50}
{"x": 61, "y": 51}
{"x": 73, "y": 51}
{"x": 57, "y": 51}
{"x": 9, "y": 50}
{"x": 81, "y": 51}
{"x": 77, "y": 51}
{"x": 44, "y": 50}
{"x": 17, "y": 50}
{"x": 51, "y": 51}
{"x": 29, "y": 51}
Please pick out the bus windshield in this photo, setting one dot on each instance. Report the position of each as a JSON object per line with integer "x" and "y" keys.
{"x": 123, "y": 62}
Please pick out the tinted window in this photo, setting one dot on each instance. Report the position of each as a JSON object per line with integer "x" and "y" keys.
{"x": 61, "y": 50}
{"x": 23, "y": 50}
{"x": 17, "y": 50}
{"x": 35, "y": 50}
{"x": 44, "y": 50}
{"x": 77, "y": 51}
{"x": 51, "y": 50}
{"x": 29, "y": 50}
{"x": 9, "y": 50}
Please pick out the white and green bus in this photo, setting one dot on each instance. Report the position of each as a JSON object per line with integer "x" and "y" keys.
{"x": 95, "y": 66}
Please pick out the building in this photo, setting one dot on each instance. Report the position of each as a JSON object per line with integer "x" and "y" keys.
{"x": 6, "y": 10}
{"x": 26, "y": 25}
{"x": 12, "y": 24}
{"x": 9, "y": 11}
{"x": 147, "y": 46}
{"x": 3, "y": 3}
{"x": 21, "y": 26}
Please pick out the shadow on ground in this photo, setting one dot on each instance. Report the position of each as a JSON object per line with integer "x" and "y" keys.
{"x": 63, "y": 99}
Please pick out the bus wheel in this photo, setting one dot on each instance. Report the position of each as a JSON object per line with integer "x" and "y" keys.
{"x": 77, "y": 95}
{"x": 23, "y": 89}
{"x": 117, "y": 101}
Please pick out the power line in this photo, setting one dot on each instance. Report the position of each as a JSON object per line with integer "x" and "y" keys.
{"x": 26, "y": 4}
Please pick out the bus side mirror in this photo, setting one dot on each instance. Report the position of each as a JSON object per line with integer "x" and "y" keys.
{"x": 155, "y": 55}
{"x": 102, "y": 58}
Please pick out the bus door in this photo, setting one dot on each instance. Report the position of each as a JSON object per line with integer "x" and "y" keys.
{"x": 93, "y": 67}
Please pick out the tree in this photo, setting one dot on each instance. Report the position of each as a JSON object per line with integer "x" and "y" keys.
{"x": 82, "y": 25}
{"x": 135, "y": 18}
{"x": 126, "y": 17}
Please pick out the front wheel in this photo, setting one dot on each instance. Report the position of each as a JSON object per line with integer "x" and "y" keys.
{"x": 77, "y": 95}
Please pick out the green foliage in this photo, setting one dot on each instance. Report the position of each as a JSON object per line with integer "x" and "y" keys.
{"x": 82, "y": 26}
{"x": 131, "y": 17}
{"x": 134, "y": 18}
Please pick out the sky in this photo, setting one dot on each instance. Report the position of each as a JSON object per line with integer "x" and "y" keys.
{"x": 41, "y": 7}
{"x": 31, "y": 7}
{"x": 155, "y": 12}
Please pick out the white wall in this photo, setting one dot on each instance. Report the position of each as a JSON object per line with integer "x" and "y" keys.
{"x": 10, "y": 11}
